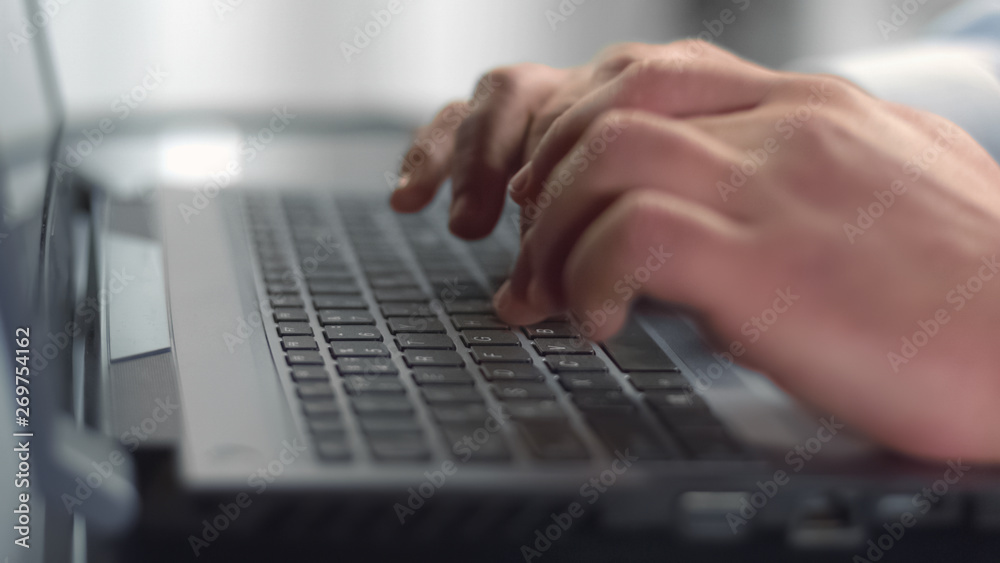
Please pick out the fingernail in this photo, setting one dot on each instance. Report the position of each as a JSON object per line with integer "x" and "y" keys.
{"x": 403, "y": 181}
{"x": 459, "y": 207}
{"x": 520, "y": 180}
{"x": 502, "y": 298}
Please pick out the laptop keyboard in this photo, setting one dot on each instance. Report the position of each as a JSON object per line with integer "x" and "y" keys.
{"x": 389, "y": 340}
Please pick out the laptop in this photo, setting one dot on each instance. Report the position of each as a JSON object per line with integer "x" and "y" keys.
{"x": 271, "y": 359}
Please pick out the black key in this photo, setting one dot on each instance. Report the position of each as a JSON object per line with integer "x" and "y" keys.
{"x": 370, "y": 404}
{"x": 366, "y": 366}
{"x": 331, "y": 449}
{"x": 632, "y": 349}
{"x": 662, "y": 380}
{"x": 441, "y": 376}
{"x": 490, "y": 338}
{"x": 327, "y": 425}
{"x": 551, "y": 330}
{"x": 384, "y": 424}
{"x": 676, "y": 398}
{"x": 564, "y": 364}
{"x": 679, "y": 418}
{"x": 709, "y": 444}
{"x": 345, "y": 317}
{"x": 326, "y": 274}
{"x": 400, "y": 449}
{"x": 351, "y": 332}
{"x": 552, "y": 440}
{"x": 550, "y": 346}
{"x": 471, "y": 442}
{"x": 339, "y": 302}
{"x": 438, "y": 358}
{"x": 500, "y": 354}
{"x": 359, "y": 384}
{"x": 304, "y": 358}
{"x": 299, "y": 343}
{"x": 320, "y": 409}
{"x": 405, "y": 294}
{"x": 468, "y": 306}
{"x": 414, "y": 324}
{"x": 585, "y": 380}
{"x": 406, "y": 310}
{"x": 424, "y": 342}
{"x": 294, "y": 329}
{"x": 461, "y": 412}
{"x": 603, "y": 400}
{"x": 301, "y": 374}
{"x": 317, "y": 287}
{"x": 516, "y": 390}
{"x": 437, "y": 394}
{"x": 534, "y": 408}
{"x": 464, "y": 322}
{"x": 283, "y": 289}
{"x": 347, "y": 348}
{"x": 628, "y": 436}
{"x": 449, "y": 291}
{"x": 290, "y": 315}
{"x": 286, "y": 301}
{"x": 379, "y": 268}
{"x": 314, "y": 391}
{"x": 392, "y": 281}
{"x": 508, "y": 372}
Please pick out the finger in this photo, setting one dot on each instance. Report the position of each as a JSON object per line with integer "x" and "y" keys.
{"x": 489, "y": 144}
{"x": 650, "y": 151}
{"x": 428, "y": 161}
{"x": 650, "y": 243}
{"x": 717, "y": 85}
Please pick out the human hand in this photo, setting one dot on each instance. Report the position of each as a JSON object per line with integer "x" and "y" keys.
{"x": 751, "y": 180}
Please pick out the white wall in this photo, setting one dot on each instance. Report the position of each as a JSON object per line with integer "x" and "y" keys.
{"x": 264, "y": 53}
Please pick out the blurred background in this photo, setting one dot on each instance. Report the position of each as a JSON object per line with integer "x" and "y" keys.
{"x": 320, "y": 55}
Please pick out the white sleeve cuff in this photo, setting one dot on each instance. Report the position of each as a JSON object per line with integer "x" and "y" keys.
{"x": 958, "y": 81}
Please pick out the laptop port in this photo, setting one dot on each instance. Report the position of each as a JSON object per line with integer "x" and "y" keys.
{"x": 825, "y": 521}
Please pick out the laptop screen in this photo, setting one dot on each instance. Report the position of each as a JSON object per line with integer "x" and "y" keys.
{"x": 29, "y": 122}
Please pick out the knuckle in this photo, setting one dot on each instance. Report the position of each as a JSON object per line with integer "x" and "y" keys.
{"x": 635, "y": 216}
{"x": 692, "y": 47}
{"x": 646, "y": 78}
{"x": 504, "y": 79}
{"x": 616, "y": 58}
